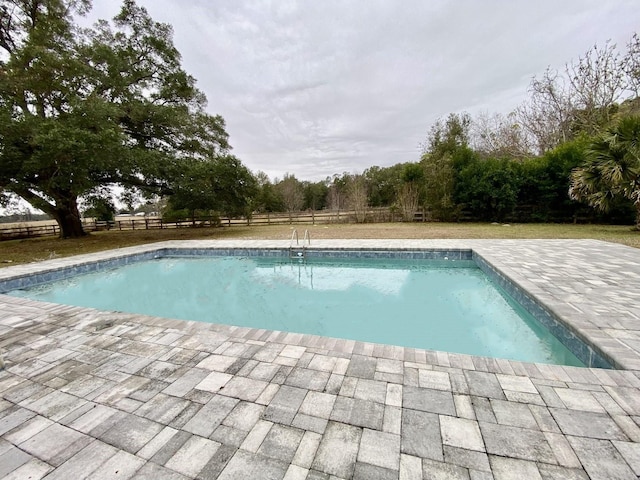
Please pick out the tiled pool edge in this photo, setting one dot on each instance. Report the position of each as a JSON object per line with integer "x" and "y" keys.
{"x": 588, "y": 353}
{"x": 54, "y": 273}
{"x": 582, "y": 346}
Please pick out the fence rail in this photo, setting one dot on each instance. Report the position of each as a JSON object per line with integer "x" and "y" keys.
{"x": 32, "y": 230}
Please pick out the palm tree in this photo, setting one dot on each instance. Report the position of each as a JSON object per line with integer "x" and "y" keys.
{"x": 611, "y": 169}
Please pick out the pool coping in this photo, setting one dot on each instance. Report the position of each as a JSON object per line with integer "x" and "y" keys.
{"x": 79, "y": 381}
{"x": 594, "y": 348}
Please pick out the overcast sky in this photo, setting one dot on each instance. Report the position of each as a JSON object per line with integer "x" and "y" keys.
{"x": 315, "y": 88}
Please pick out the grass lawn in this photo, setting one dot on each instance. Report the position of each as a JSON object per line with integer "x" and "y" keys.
{"x": 23, "y": 251}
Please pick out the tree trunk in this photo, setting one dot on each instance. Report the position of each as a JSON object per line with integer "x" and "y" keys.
{"x": 68, "y": 217}
{"x": 64, "y": 210}
{"x": 637, "y": 227}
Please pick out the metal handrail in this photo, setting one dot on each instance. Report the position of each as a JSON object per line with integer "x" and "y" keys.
{"x": 306, "y": 242}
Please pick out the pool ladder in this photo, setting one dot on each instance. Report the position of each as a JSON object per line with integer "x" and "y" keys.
{"x": 297, "y": 251}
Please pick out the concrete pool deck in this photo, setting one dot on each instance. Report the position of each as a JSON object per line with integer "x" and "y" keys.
{"x": 90, "y": 394}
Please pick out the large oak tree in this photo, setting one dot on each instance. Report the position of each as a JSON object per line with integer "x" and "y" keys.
{"x": 84, "y": 108}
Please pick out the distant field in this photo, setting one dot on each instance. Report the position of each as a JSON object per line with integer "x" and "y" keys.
{"x": 37, "y": 223}
{"x": 13, "y": 252}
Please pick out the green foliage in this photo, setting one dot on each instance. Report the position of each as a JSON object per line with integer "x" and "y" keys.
{"x": 81, "y": 109}
{"x": 412, "y": 173}
{"x": 220, "y": 184}
{"x": 339, "y": 191}
{"x": 488, "y": 188}
{"x": 545, "y": 183}
{"x": 531, "y": 190}
{"x": 383, "y": 184}
{"x": 207, "y": 217}
{"x": 315, "y": 195}
{"x": 291, "y": 191}
{"x": 131, "y": 198}
{"x": 267, "y": 198}
{"x": 448, "y": 136}
{"x": 411, "y": 193}
{"x": 446, "y": 146}
{"x": 170, "y": 215}
{"x": 612, "y": 168}
{"x": 100, "y": 208}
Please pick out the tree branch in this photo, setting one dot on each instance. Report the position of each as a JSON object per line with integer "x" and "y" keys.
{"x": 36, "y": 200}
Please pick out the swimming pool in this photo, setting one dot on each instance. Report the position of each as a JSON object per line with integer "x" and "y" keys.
{"x": 446, "y": 304}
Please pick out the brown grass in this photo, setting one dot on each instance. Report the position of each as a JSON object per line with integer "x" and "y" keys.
{"x": 23, "y": 251}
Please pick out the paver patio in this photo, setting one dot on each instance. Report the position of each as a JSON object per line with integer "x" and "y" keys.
{"x": 91, "y": 394}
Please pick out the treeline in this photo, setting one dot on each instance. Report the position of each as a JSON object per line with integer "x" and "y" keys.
{"x": 516, "y": 167}
{"x": 493, "y": 167}
{"x": 139, "y": 123}
{"x": 456, "y": 184}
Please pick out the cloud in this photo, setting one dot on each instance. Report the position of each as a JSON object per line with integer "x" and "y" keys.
{"x": 317, "y": 88}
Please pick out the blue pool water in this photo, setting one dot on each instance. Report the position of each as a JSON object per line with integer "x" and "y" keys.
{"x": 450, "y": 306}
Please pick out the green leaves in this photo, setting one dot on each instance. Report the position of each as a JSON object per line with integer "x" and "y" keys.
{"x": 219, "y": 184}
{"x": 612, "y": 167}
{"x": 82, "y": 109}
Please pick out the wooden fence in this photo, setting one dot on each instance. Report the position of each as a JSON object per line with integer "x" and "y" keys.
{"x": 39, "y": 229}
{"x": 32, "y": 230}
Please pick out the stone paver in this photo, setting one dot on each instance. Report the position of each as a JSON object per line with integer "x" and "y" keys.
{"x": 338, "y": 450}
{"x": 89, "y": 394}
{"x": 421, "y": 434}
{"x": 12, "y": 459}
{"x": 122, "y": 465}
{"x": 587, "y": 424}
{"x": 600, "y": 459}
{"x": 358, "y": 412}
{"x": 514, "y": 469}
{"x": 194, "y": 454}
{"x": 461, "y": 433}
{"x": 85, "y": 462}
{"x": 131, "y": 433}
{"x": 514, "y": 414}
{"x": 427, "y": 400}
{"x": 380, "y": 449}
{"x": 250, "y": 465}
{"x": 210, "y": 416}
{"x": 318, "y": 404}
{"x": 55, "y": 444}
{"x": 516, "y": 443}
{"x": 281, "y": 443}
{"x": 472, "y": 459}
{"x": 244, "y": 388}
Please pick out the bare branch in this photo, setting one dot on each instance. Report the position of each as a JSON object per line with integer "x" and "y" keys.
{"x": 597, "y": 83}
